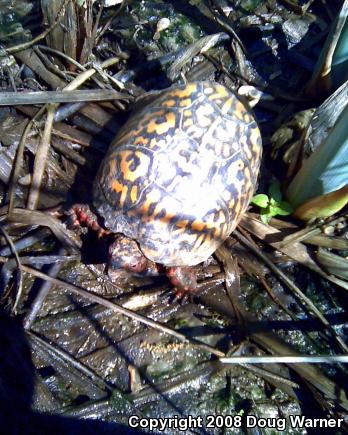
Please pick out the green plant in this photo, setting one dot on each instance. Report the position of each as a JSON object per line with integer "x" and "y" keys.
{"x": 272, "y": 204}
{"x": 326, "y": 170}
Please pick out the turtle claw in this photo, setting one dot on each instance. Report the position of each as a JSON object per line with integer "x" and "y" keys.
{"x": 184, "y": 282}
{"x": 82, "y": 215}
{"x": 182, "y": 296}
{"x": 173, "y": 295}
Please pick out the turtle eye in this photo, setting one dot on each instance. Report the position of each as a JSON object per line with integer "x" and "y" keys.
{"x": 135, "y": 267}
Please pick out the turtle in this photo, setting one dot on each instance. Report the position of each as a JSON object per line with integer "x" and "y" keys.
{"x": 176, "y": 180}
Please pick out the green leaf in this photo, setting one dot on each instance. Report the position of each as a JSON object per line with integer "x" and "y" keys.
{"x": 276, "y": 211}
{"x": 285, "y": 207}
{"x": 265, "y": 218}
{"x": 323, "y": 206}
{"x": 261, "y": 200}
{"x": 273, "y": 210}
{"x": 274, "y": 191}
{"x": 265, "y": 214}
{"x": 273, "y": 202}
{"x": 326, "y": 170}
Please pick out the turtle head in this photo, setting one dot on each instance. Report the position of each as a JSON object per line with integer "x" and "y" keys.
{"x": 124, "y": 253}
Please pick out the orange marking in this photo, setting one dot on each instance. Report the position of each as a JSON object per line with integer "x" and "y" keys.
{"x": 153, "y": 143}
{"x": 168, "y": 103}
{"x": 239, "y": 111}
{"x": 182, "y": 223}
{"x": 247, "y": 117}
{"x": 183, "y": 93}
{"x": 120, "y": 188}
{"x": 247, "y": 174}
{"x": 245, "y": 145}
{"x": 163, "y": 127}
{"x": 231, "y": 204}
{"x": 167, "y": 218}
{"x": 220, "y": 92}
{"x": 217, "y": 233}
{"x": 188, "y": 122}
{"x": 227, "y": 105}
{"x": 151, "y": 198}
{"x": 123, "y": 195}
{"x": 255, "y": 140}
{"x": 160, "y": 112}
{"x": 144, "y": 207}
{"x": 199, "y": 241}
{"x": 199, "y": 226}
{"x": 134, "y": 193}
{"x": 157, "y": 210}
{"x": 224, "y": 231}
{"x": 150, "y": 253}
{"x": 237, "y": 209}
{"x": 141, "y": 140}
{"x": 124, "y": 164}
{"x": 249, "y": 190}
{"x": 185, "y": 102}
{"x": 116, "y": 186}
{"x": 141, "y": 169}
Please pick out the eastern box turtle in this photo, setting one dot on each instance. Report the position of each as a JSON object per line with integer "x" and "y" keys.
{"x": 177, "y": 179}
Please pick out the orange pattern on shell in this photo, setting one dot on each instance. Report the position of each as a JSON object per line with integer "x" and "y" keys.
{"x": 181, "y": 173}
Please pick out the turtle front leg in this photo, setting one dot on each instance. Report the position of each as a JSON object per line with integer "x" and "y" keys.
{"x": 82, "y": 215}
{"x": 183, "y": 279}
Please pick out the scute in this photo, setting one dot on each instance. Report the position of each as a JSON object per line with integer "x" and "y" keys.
{"x": 181, "y": 173}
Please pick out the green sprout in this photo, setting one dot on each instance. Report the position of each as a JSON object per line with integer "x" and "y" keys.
{"x": 272, "y": 204}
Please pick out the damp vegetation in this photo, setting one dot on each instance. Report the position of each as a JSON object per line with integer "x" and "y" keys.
{"x": 265, "y": 335}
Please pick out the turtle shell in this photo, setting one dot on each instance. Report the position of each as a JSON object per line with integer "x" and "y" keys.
{"x": 180, "y": 173}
